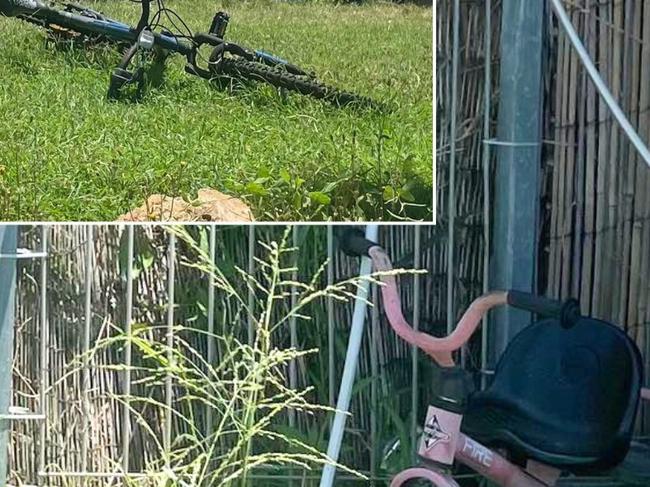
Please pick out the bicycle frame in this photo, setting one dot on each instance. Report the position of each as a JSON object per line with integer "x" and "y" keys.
{"x": 443, "y": 443}
{"x": 117, "y": 31}
{"x": 227, "y": 64}
{"x": 485, "y": 462}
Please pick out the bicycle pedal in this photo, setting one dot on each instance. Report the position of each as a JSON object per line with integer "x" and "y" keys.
{"x": 119, "y": 78}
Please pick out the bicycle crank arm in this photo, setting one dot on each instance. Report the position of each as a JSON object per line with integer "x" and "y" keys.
{"x": 121, "y": 76}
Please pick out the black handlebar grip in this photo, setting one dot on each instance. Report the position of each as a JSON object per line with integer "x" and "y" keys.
{"x": 568, "y": 312}
{"x": 535, "y": 304}
{"x": 354, "y": 243}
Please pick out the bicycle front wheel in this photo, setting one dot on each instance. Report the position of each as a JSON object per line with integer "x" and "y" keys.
{"x": 281, "y": 78}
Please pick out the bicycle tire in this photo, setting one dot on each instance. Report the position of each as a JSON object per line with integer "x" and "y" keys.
{"x": 241, "y": 68}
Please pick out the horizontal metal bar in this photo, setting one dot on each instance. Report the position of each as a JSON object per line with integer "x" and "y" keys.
{"x": 24, "y": 254}
{"x": 504, "y": 143}
{"x": 601, "y": 86}
{"x": 251, "y": 477}
{"x": 22, "y": 417}
{"x": 487, "y": 371}
{"x": 96, "y": 475}
{"x": 63, "y": 474}
{"x": 259, "y": 476}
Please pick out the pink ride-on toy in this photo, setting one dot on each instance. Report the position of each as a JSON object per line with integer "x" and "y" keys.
{"x": 564, "y": 396}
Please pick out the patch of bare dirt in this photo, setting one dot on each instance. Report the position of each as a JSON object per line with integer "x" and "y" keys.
{"x": 210, "y": 206}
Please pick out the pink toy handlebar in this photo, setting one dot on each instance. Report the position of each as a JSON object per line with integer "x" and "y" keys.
{"x": 441, "y": 349}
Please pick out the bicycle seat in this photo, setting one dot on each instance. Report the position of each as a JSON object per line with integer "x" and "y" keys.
{"x": 564, "y": 397}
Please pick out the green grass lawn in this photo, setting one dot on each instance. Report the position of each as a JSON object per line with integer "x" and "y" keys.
{"x": 66, "y": 153}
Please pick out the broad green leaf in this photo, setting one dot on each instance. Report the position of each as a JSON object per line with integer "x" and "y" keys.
{"x": 320, "y": 198}
{"x": 389, "y": 193}
{"x": 256, "y": 189}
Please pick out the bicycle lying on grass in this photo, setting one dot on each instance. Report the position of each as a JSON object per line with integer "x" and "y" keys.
{"x": 228, "y": 61}
{"x": 563, "y": 399}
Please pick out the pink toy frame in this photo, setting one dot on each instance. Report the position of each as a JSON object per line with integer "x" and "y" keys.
{"x": 464, "y": 450}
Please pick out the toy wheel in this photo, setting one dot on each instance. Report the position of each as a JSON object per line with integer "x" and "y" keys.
{"x": 422, "y": 477}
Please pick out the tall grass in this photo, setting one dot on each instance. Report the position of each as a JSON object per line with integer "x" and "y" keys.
{"x": 225, "y": 416}
{"x": 388, "y": 408}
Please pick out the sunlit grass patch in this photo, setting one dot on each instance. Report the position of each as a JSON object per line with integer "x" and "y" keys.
{"x": 66, "y": 153}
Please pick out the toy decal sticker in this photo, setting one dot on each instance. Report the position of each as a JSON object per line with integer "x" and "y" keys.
{"x": 433, "y": 433}
{"x": 477, "y": 452}
{"x": 440, "y": 436}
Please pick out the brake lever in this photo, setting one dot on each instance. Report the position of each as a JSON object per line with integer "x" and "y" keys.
{"x": 192, "y": 67}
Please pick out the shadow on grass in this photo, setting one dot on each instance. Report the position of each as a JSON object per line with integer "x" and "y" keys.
{"x": 419, "y": 3}
{"x": 90, "y": 55}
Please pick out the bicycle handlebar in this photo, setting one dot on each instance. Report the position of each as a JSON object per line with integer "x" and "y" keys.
{"x": 441, "y": 349}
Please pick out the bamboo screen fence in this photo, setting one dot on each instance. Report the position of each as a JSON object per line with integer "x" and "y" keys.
{"x": 595, "y": 212}
{"x": 383, "y": 401}
{"x": 467, "y": 227}
{"x": 596, "y": 199}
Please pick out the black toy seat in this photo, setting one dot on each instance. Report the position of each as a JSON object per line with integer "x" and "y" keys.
{"x": 563, "y": 397}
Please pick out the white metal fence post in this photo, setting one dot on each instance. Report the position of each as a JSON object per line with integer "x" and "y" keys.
{"x": 331, "y": 371}
{"x": 487, "y": 112}
{"x": 88, "y": 284}
{"x": 251, "y": 294}
{"x": 44, "y": 353}
{"x": 417, "y": 263}
{"x": 350, "y": 368}
{"x": 169, "y": 390}
{"x": 451, "y": 187}
{"x": 211, "y": 338}
{"x": 518, "y": 168}
{"x": 126, "y": 412}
